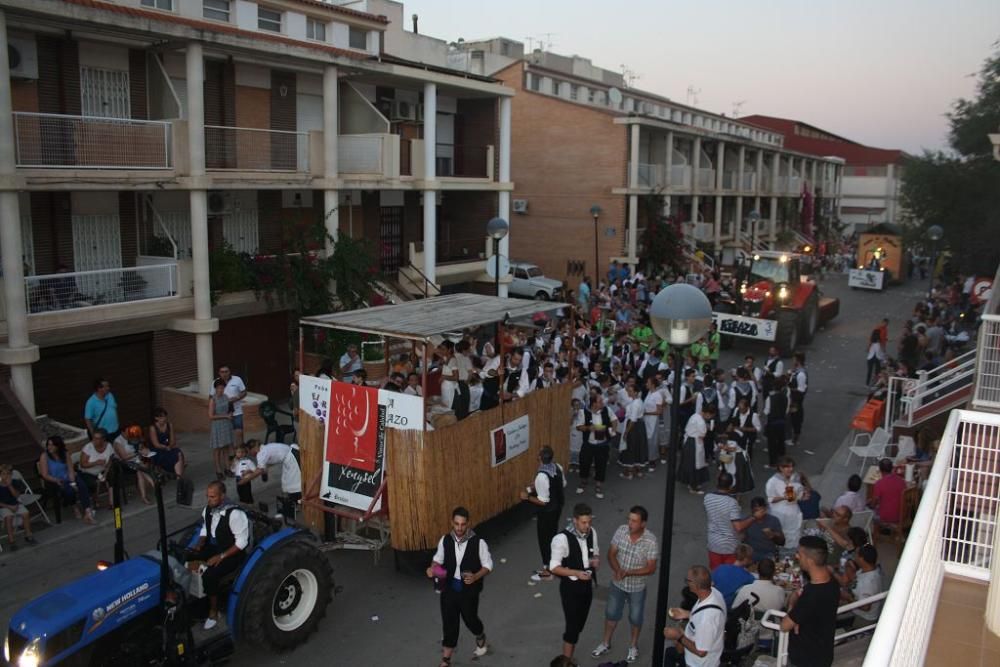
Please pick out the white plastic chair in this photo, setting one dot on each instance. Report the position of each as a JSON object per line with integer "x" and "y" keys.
{"x": 907, "y": 448}
{"x": 18, "y": 477}
{"x": 877, "y": 444}
{"x": 864, "y": 520}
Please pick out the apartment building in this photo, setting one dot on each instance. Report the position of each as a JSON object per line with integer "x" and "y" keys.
{"x": 872, "y": 176}
{"x": 148, "y": 135}
{"x": 585, "y": 142}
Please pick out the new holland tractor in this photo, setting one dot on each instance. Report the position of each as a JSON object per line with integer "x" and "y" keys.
{"x": 144, "y": 610}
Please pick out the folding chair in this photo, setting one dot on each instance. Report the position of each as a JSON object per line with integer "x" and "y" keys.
{"x": 28, "y": 498}
{"x": 863, "y": 520}
{"x": 877, "y": 444}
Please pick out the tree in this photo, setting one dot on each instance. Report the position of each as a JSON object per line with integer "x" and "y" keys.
{"x": 959, "y": 189}
{"x": 662, "y": 242}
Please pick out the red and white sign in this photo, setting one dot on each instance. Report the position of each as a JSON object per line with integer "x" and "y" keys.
{"x": 982, "y": 290}
{"x": 352, "y": 428}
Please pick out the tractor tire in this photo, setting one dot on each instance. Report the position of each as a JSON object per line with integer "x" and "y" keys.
{"x": 287, "y": 597}
{"x": 810, "y": 320}
{"x": 787, "y": 338}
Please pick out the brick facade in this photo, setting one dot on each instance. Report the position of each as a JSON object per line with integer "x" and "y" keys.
{"x": 565, "y": 157}
{"x": 174, "y": 361}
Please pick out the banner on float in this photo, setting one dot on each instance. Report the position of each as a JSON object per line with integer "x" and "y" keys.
{"x": 355, "y": 419}
{"x": 746, "y": 327}
{"x": 864, "y": 279}
{"x": 508, "y": 441}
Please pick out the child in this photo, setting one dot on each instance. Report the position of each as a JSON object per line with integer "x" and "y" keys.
{"x": 243, "y": 464}
{"x": 733, "y": 459}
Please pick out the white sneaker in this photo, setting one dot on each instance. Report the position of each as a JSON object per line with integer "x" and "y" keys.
{"x": 579, "y": 490}
{"x": 601, "y": 649}
{"x": 210, "y": 623}
{"x": 633, "y": 654}
{"x": 599, "y": 495}
{"x": 480, "y": 651}
{"x": 789, "y": 443}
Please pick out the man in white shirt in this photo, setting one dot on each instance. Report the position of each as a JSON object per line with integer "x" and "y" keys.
{"x": 236, "y": 391}
{"x": 287, "y": 456}
{"x": 222, "y": 544}
{"x": 548, "y": 494}
{"x": 463, "y": 571}
{"x": 575, "y": 559}
{"x": 868, "y": 582}
{"x": 852, "y": 498}
{"x": 700, "y": 644}
{"x": 350, "y": 361}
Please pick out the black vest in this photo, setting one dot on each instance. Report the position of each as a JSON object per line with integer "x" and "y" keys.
{"x": 575, "y": 560}
{"x": 600, "y": 437}
{"x": 223, "y": 538}
{"x": 797, "y": 393}
{"x": 470, "y": 560}
{"x": 557, "y": 495}
{"x": 710, "y": 396}
{"x": 779, "y": 407}
{"x": 513, "y": 380}
{"x": 767, "y": 381}
{"x": 744, "y": 391}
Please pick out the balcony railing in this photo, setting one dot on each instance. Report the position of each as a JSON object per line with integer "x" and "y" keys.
{"x": 651, "y": 176}
{"x": 82, "y": 289}
{"x": 794, "y": 185}
{"x": 463, "y": 161}
{"x": 749, "y": 181}
{"x": 729, "y": 179}
{"x": 911, "y": 401}
{"x": 680, "y": 176}
{"x": 987, "y": 393}
{"x": 360, "y": 154}
{"x": 253, "y": 149}
{"x": 706, "y": 179}
{"x": 43, "y": 140}
{"x": 953, "y": 533}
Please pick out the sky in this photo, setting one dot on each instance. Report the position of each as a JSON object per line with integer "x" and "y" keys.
{"x": 881, "y": 72}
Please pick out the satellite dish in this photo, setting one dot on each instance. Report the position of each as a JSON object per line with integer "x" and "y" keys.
{"x": 491, "y": 266}
{"x": 615, "y": 96}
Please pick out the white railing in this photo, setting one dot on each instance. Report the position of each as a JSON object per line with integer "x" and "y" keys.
{"x": 651, "y": 176}
{"x": 794, "y": 184}
{"x": 253, "y": 149}
{"x": 706, "y": 179}
{"x": 680, "y": 176}
{"x": 82, "y": 289}
{"x": 51, "y": 141}
{"x": 729, "y": 179}
{"x": 987, "y": 394}
{"x": 951, "y": 534}
{"x": 772, "y": 621}
{"x": 911, "y": 401}
{"x": 359, "y": 154}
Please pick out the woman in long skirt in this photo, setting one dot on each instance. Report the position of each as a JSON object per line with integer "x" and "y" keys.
{"x": 694, "y": 466}
{"x": 634, "y": 447}
{"x": 652, "y": 407}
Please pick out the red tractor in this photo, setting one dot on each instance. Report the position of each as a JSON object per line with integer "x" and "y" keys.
{"x": 775, "y": 302}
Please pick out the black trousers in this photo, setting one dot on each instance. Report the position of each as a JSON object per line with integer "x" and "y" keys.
{"x": 548, "y": 526}
{"x": 211, "y": 577}
{"x": 245, "y": 493}
{"x": 596, "y": 455}
{"x": 874, "y": 366}
{"x": 796, "y": 417}
{"x": 775, "y": 432}
{"x": 457, "y": 605}
{"x": 576, "y": 597}
{"x": 747, "y": 441}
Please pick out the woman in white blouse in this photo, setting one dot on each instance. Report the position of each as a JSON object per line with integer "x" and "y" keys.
{"x": 652, "y": 409}
{"x": 633, "y": 447}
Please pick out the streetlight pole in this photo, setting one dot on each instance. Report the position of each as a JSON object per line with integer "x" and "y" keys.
{"x": 680, "y": 314}
{"x": 595, "y": 211}
{"x": 497, "y": 229}
{"x": 935, "y": 234}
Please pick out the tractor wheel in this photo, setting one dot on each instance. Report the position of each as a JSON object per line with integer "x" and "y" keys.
{"x": 288, "y": 597}
{"x": 810, "y": 320}
{"x": 788, "y": 332}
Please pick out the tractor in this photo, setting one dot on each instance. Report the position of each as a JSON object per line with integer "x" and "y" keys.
{"x": 142, "y": 610}
{"x": 775, "y": 302}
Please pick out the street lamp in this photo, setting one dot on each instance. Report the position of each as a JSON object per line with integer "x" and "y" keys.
{"x": 497, "y": 229}
{"x": 680, "y": 314}
{"x": 595, "y": 212}
{"x": 754, "y": 219}
{"x": 935, "y": 234}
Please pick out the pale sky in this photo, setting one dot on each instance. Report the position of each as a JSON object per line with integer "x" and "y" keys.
{"x": 881, "y": 72}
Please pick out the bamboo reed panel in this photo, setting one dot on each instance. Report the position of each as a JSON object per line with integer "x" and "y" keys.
{"x": 311, "y": 432}
{"x": 453, "y": 467}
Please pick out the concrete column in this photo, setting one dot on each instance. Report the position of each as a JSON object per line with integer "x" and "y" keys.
{"x": 738, "y": 225}
{"x": 503, "y": 197}
{"x": 633, "y": 157}
{"x": 203, "y": 324}
{"x": 430, "y": 177}
{"x": 775, "y": 171}
{"x": 633, "y": 229}
{"x": 695, "y": 164}
{"x": 812, "y": 178}
{"x": 19, "y": 353}
{"x": 890, "y": 194}
{"x": 695, "y": 202}
{"x": 331, "y": 139}
{"x": 740, "y": 169}
{"x": 759, "y": 178}
{"x": 669, "y": 161}
{"x": 838, "y": 174}
{"x": 772, "y": 223}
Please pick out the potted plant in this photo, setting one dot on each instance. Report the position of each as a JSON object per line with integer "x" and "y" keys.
{"x": 373, "y": 358}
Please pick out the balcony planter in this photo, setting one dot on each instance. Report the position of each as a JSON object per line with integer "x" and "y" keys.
{"x": 373, "y": 359}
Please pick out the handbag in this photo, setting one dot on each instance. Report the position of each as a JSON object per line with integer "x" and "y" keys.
{"x": 185, "y": 491}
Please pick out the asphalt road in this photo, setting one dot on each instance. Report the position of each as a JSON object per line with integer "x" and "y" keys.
{"x": 382, "y": 616}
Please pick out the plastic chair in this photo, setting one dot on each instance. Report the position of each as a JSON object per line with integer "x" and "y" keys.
{"x": 28, "y": 498}
{"x": 907, "y": 448}
{"x": 877, "y": 444}
{"x": 864, "y": 520}
{"x": 268, "y": 412}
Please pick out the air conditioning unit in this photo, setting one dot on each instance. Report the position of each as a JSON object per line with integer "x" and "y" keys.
{"x": 420, "y": 113}
{"x": 403, "y": 110}
{"x": 520, "y": 206}
{"x": 218, "y": 202}
{"x": 23, "y": 55}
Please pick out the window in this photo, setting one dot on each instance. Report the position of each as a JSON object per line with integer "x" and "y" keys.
{"x": 165, "y": 5}
{"x": 104, "y": 93}
{"x": 217, "y": 10}
{"x": 358, "y": 38}
{"x": 268, "y": 19}
{"x": 315, "y": 30}
{"x": 574, "y": 90}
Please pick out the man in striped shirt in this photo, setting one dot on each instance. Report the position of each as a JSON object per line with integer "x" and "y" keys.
{"x": 632, "y": 557}
{"x": 725, "y": 522}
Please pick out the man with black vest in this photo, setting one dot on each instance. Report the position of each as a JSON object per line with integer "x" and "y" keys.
{"x": 466, "y": 560}
{"x": 548, "y": 494}
{"x": 598, "y": 427}
{"x": 798, "y": 385}
{"x": 515, "y": 380}
{"x": 222, "y": 544}
{"x": 575, "y": 559}
{"x": 774, "y": 368}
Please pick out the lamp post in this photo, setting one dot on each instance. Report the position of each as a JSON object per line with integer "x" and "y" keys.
{"x": 680, "y": 314}
{"x": 935, "y": 234}
{"x": 497, "y": 229}
{"x": 595, "y": 212}
{"x": 754, "y": 218}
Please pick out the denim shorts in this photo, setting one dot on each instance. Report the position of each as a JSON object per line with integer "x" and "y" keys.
{"x": 238, "y": 422}
{"x": 616, "y": 605}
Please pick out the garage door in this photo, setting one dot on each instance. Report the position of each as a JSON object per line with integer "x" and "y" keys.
{"x": 64, "y": 378}
{"x": 256, "y": 349}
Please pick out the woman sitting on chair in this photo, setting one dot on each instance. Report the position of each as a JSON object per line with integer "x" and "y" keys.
{"x": 163, "y": 445}
{"x": 56, "y": 470}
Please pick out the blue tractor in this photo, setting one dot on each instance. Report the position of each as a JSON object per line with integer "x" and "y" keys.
{"x": 143, "y": 610}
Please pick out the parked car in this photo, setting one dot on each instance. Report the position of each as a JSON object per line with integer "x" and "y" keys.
{"x": 528, "y": 281}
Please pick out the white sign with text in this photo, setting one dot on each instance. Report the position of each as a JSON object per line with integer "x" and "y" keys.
{"x": 745, "y": 327}
{"x": 864, "y": 279}
{"x": 508, "y": 441}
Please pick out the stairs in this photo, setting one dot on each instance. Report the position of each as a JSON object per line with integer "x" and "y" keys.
{"x": 934, "y": 392}
{"x": 20, "y": 437}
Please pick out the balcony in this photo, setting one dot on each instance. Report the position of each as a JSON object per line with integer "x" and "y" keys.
{"x": 464, "y": 161}
{"x": 371, "y": 155}
{"x": 987, "y": 393}
{"x": 706, "y": 179}
{"x": 749, "y": 183}
{"x": 54, "y": 141}
{"x": 729, "y": 180}
{"x": 794, "y": 185}
{"x": 253, "y": 149}
{"x": 457, "y": 261}
{"x": 680, "y": 177}
{"x": 85, "y": 289}
{"x": 651, "y": 176}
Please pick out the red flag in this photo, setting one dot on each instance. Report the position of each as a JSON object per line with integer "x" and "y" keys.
{"x": 352, "y": 426}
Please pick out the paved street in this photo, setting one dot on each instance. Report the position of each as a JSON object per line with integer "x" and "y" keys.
{"x": 385, "y": 617}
